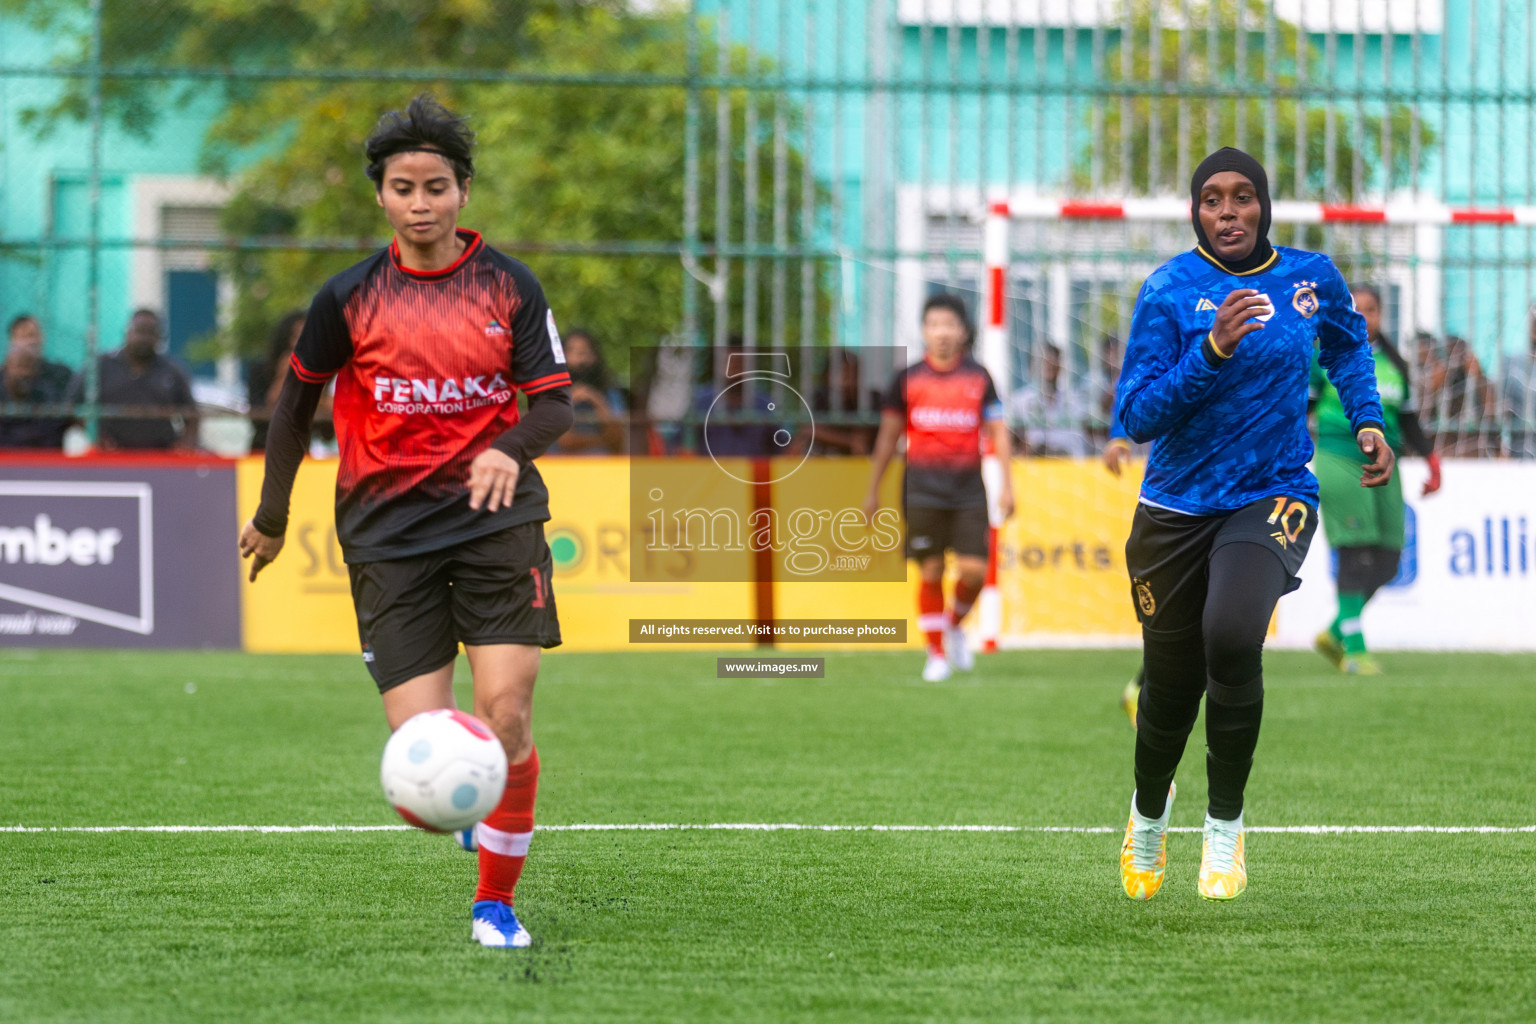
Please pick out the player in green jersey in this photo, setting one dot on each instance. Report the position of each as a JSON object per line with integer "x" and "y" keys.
{"x": 1364, "y": 525}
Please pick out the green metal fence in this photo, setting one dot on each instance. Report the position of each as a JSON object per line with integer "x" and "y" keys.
{"x": 788, "y": 173}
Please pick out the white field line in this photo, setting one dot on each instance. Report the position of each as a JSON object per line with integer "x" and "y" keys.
{"x": 789, "y": 827}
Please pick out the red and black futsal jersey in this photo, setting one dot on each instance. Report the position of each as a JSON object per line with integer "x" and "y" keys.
{"x": 427, "y": 367}
{"x": 944, "y": 411}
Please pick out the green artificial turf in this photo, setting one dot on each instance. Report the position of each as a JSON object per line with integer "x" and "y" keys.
{"x": 756, "y": 925}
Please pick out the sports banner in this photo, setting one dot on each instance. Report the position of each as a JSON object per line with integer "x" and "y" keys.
{"x": 888, "y": 594}
{"x": 117, "y": 552}
{"x": 589, "y": 535}
{"x": 1062, "y": 562}
{"x": 124, "y": 552}
{"x": 1061, "y": 558}
{"x": 302, "y": 602}
{"x": 1467, "y": 582}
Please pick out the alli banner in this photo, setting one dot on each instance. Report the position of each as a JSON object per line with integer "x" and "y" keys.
{"x": 1467, "y": 576}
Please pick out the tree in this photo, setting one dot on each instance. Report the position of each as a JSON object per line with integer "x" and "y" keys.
{"x": 250, "y": 35}
{"x": 1384, "y": 156}
{"x": 562, "y": 164}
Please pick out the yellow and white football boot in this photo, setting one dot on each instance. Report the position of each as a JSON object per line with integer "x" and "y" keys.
{"x": 1360, "y": 665}
{"x": 1326, "y": 644}
{"x": 1144, "y": 853}
{"x": 1223, "y": 867}
{"x": 1129, "y": 698}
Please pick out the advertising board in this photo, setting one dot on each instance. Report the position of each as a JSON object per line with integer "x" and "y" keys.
{"x": 117, "y": 552}
{"x": 1468, "y": 576}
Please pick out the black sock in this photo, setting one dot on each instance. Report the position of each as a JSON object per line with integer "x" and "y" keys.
{"x": 1231, "y": 735}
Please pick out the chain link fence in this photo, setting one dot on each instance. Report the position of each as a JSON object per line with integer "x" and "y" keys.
{"x": 790, "y": 174}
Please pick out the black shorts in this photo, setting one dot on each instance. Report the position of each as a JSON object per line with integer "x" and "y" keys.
{"x": 932, "y": 531}
{"x": 412, "y": 613}
{"x": 1168, "y": 554}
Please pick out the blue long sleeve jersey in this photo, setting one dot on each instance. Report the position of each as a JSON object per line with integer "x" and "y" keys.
{"x": 1227, "y": 432}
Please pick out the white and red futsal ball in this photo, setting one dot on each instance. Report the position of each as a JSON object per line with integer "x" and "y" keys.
{"x": 443, "y": 770}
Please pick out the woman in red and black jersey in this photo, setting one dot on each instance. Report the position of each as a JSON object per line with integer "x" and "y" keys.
{"x": 941, "y": 405}
{"x": 439, "y": 508}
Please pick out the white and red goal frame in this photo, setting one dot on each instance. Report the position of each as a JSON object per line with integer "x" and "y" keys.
{"x": 992, "y": 343}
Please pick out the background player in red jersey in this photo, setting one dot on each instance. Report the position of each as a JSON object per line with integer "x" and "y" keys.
{"x": 942, "y": 402}
{"x": 439, "y": 508}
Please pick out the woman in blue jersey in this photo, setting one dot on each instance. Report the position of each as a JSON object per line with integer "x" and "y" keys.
{"x": 1215, "y": 377}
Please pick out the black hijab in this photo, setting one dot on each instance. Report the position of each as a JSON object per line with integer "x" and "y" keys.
{"x": 1229, "y": 159}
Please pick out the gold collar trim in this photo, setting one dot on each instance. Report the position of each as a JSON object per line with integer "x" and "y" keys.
{"x": 1274, "y": 255}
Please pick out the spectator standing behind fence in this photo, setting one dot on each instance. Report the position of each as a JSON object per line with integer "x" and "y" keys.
{"x": 1429, "y": 375}
{"x": 138, "y": 375}
{"x": 264, "y": 380}
{"x": 596, "y": 398}
{"x": 1111, "y": 354}
{"x": 26, "y": 331}
{"x": 1052, "y": 414}
{"x": 839, "y": 430}
{"x": 264, "y": 377}
{"x": 1466, "y": 402}
{"x": 27, "y": 377}
{"x": 727, "y": 425}
{"x": 1520, "y": 398}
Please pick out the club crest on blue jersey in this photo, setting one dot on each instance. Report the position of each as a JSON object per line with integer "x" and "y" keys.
{"x": 1305, "y": 300}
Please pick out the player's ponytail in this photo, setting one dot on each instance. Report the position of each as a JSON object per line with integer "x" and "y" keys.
{"x": 426, "y": 126}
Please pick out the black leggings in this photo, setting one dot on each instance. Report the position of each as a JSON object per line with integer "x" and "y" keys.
{"x": 1219, "y": 656}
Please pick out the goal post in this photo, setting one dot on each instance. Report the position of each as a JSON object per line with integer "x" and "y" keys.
{"x": 1056, "y": 570}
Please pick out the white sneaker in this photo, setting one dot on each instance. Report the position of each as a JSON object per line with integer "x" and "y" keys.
{"x": 936, "y": 670}
{"x": 1223, "y": 865}
{"x": 495, "y": 925}
{"x": 957, "y": 651}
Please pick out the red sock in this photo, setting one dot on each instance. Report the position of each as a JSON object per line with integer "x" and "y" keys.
{"x": 965, "y": 597}
{"x": 505, "y": 833}
{"x": 930, "y": 615}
